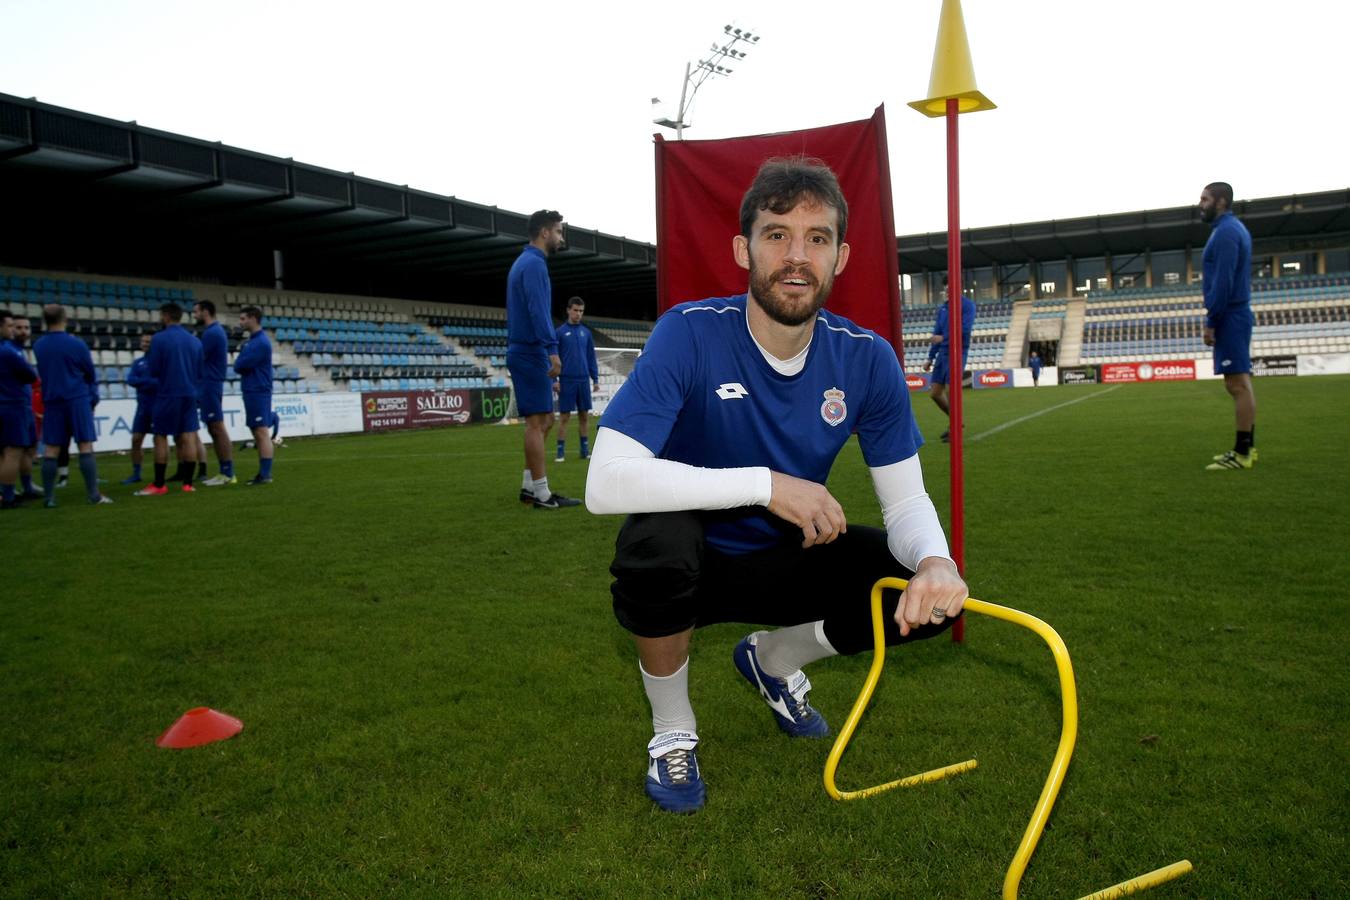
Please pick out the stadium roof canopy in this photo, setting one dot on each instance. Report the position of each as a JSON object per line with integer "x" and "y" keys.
{"x": 1298, "y": 222}
{"x": 87, "y": 193}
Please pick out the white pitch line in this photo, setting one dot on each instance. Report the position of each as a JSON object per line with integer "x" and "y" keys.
{"x": 997, "y": 428}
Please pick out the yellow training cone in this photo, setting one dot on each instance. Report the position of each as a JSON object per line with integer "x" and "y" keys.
{"x": 953, "y": 75}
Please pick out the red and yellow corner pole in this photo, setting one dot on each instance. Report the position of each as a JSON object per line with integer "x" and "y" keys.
{"x": 952, "y": 91}
{"x": 955, "y": 376}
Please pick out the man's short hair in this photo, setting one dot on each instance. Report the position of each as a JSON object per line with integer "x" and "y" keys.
{"x": 53, "y": 314}
{"x": 576, "y": 301}
{"x": 208, "y": 306}
{"x": 5, "y": 314}
{"x": 783, "y": 182}
{"x": 1221, "y": 190}
{"x": 541, "y": 219}
{"x": 253, "y": 312}
{"x": 173, "y": 311}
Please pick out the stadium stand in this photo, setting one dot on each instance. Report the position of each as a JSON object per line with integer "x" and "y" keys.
{"x": 322, "y": 341}
{"x": 113, "y": 196}
{"x": 480, "y": 333}
{"x": 110, "y": 317}
{"x": 987, "y": 341}
{"x": 364, "y": 344}
{"x": 619, "y": 333}
{"x": 1053, "y": 308}
{"x": 330, "y": 342}
{"x": 1310, "y": 314}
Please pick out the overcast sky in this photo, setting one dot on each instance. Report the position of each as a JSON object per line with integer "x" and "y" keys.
{"x": 1102, "y": 107}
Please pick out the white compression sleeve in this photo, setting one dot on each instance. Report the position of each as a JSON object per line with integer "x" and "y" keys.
{"x": 913, "y": 531}
{"x": 625, "y": 477}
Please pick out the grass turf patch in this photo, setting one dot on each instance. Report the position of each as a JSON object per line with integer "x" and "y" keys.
{"x": 437, "y": 700}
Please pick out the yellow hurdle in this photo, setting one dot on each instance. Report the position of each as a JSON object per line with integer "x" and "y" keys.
{"x": 1068, "y": 735}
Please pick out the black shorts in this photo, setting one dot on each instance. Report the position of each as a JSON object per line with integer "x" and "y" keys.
{"x": 667, "y": 580}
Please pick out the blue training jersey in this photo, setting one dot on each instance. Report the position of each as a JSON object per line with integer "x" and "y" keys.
{"x": 1227, "y": 268}
{"x": 16, "y": 377}
{"x": 66, "y": 367}
{"x": 576, "y": 347}
{"x": 940, "y": 328}
{"x": 254, "y": 365}
{"x": 139, "y": 377}
{"x": 215, "y": 354}
{"x": 176, "y": 362}
{"x": 702, "y": 393}
{"x": 529, "y": 294}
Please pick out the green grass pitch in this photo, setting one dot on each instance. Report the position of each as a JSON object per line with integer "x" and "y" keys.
{"x": 438, "y": 702}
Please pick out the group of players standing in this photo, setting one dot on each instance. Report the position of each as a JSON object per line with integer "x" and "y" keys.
{"x": 179, "y": 382}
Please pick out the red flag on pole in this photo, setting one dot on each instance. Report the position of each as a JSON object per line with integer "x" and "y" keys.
{"x": 699, "y": 186}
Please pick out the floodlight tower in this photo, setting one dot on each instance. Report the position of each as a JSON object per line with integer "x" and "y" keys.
{"x": 711, "y": 66}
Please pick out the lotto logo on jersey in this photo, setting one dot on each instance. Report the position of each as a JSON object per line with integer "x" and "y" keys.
{"x": 732, "y": 390}
{"x": 833, "y": 410}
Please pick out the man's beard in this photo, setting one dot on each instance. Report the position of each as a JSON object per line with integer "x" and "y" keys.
{"x": 763, "y": 288}
{"x": 1208, "y": 215}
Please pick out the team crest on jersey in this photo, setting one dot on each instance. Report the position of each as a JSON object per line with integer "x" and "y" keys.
{"x": 833, "y": 410}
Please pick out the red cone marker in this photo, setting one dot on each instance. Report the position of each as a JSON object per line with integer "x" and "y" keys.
{"x": 198, "y": 726}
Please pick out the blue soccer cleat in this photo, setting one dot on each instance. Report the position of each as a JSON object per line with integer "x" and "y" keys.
{"x": 673, "y": 778}
{"x": 785, "y": 696}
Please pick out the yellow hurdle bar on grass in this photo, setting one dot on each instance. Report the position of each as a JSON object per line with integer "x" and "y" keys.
{"x": 1060, "y": 765}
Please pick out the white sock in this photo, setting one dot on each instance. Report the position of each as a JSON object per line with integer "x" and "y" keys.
{"x": 669, "y": 697}
{"x": 541, "y": 491}
{"x": 527, "y": 481}
{"x": 781, "y": 653}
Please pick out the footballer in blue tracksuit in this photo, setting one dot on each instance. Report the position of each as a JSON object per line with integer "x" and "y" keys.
{"x": 719, "y": 446}
{"x": 69, "y": 395}
{"x": 580, "y": 372}
{"x": 940, "y": 354}
{"x": 254, "y": 365}
{"x": 1227, "y": 283}
{"x": 140, "y": 380}
{"x": 175, "y": 362}
{"x": 211, "y": 392}
{"x": 16, "y": 410}
{"x": 532, "y": 352}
